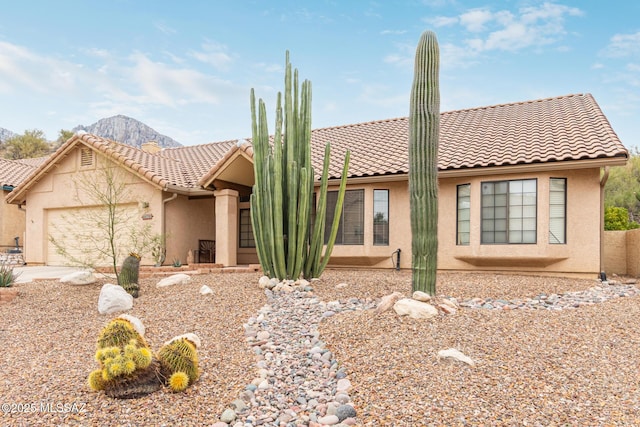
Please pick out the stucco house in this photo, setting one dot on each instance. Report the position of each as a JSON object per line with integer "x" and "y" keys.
{"x": 519, "y": 190}
{"x": 13, "y": 217}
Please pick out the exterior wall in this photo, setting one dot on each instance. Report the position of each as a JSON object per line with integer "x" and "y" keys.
{"x": 187, "y": 221}
{"x": 58, "y": 190}
{"x": 580, "y": 255}
{"x": 615, "y": 251}
{"x": 12, "y": 224}
{"x": 622, "y": 252}
{"x": 245, "y": 255}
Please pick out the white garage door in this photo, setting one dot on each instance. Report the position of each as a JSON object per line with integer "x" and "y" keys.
{"x": 79, "y": 235}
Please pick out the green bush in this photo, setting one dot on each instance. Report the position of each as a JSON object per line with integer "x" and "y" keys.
{"x": 616, "y": 218}
{"x": 7, "y": 275}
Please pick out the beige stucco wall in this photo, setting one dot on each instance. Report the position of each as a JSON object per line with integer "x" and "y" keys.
{"x": 59, "y": 190}
{"x": 12, "y": 224}
{"x": 580, "y": 255}
{"x": 187, "y": 221}
{"x": 615, "y": 251}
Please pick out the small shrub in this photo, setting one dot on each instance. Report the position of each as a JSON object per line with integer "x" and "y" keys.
{"x": 177, "y": 262}
{"x": 617, "y": 218}
{"x": 7, "y": 276}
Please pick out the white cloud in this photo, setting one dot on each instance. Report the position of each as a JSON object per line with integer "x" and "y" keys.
{"x": 393, "y": 32}
{"x": 164, "y": 28}
{"x": 442, "y": 21}
{"x": 623, "y": 45}
{"x": 504, "y": 30}
{"x": 475, "y": 19}
{"x": 213, "y": 53}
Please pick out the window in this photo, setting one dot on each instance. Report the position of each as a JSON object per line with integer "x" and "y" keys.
{"x": 463, "y": 214}
{"x": 509, "y": 211}
{"x": 381, "y": 217}
{"x": 351, "y": 228}
{"x": 558, "y": 210}
{"x": 246, "y": 230}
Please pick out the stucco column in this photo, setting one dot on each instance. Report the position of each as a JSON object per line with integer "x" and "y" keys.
{"x": 226, "y": 227}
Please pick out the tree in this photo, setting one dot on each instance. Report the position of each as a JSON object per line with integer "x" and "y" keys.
{"x": 63, "y": 136}
{"x": 115, "y": 230}
{"x": 31, "y": 144}
{"x": 281, "y": 200}
{"x": 424, "y": 132}
{"x": 623, "y": 187}
{"x": 616, "y": 218}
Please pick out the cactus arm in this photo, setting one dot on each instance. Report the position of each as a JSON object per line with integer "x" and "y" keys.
{"x": 336, "y": 216}
{"x": 277, "y": 200}
{"x": 317, "y": 238}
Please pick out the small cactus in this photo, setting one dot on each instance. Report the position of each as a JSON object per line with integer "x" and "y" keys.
{"x": 118, "y": 333}
{"x": 95, "y": 380}
{"x": 179, "y": 355}
{"x": 128, "y": 277}
{"x": 178, "y": 381}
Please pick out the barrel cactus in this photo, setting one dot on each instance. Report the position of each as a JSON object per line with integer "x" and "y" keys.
{"x": 179, "y": 363}
{"x": 424, "y": 133}
{"x": 282, "y": 196}
{"x": 127, "y": 366}
{"x": 128, "y": 277}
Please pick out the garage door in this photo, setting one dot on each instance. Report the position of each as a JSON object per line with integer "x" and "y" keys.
{"x": 79, "y": 235}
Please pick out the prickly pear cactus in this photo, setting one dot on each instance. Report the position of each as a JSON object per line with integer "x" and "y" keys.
{"x": 128, "y": 277}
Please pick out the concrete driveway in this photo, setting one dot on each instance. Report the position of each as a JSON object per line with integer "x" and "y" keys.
{"x": 28, "y": 273}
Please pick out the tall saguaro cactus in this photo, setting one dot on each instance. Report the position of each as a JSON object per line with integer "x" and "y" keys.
{"x": 424, "y": 133}
{"x": 281, "y": 201}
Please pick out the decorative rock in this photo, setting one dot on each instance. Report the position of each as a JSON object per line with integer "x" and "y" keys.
{"x": 264, "y": 281}
{"x": 228, "y": 416}
{"x": 174, "y": 279}
{"x": 205, "y": 290}
{"x": 387, "y": 302}
{"x": 191, "y": 337}
{"x": 84, "y": 277}
{"x": 341, "y": 285}
{"x": 456, "y": 355}
{"x": 421, "y": 296}
{"x": 329, "y": 420}
{"x": 343, "y": 385}
{"x": 220, "y": 424}
{"x": 447, "y": 309}
{"x": 415, "y": 309}
{"x": 137, "y": 323}
{"x": 114, "y": 298}
{"x": 263, "y": 335}
{"x": 345, "y": 411}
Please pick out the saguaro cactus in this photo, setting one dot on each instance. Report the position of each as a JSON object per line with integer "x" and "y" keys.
{"x": 424, "y": 133}
{"x": 281, "y": 201}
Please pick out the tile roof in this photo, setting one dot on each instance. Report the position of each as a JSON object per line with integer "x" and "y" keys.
{"x": 13, "y": 172}
{"x": 563, "y": 128}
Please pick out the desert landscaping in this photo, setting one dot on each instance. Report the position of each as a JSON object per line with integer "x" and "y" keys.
{"x": 544, "y": 353}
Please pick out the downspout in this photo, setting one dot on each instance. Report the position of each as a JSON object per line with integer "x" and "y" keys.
{"x": 603, "y": 181}
{"x": 164, "y": 218}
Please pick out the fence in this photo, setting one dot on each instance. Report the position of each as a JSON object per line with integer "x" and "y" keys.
{"x": 622, "y": 252}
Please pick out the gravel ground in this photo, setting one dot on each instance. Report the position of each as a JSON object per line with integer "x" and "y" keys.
{"x": 533, "y": 367}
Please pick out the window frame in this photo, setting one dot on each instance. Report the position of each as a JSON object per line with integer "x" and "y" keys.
{"x": 507, "y": 219}
{"x": 243, "y": 241}
{"x": 458, "y": 220}
{"x": 340, "y": 237}
{"x": 564, "y": 205}
{"x": 385, "y": 233}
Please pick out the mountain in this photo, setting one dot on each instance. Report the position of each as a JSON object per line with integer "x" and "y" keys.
{"x": 127, "y": 131}
{"x": 5, "y": 134}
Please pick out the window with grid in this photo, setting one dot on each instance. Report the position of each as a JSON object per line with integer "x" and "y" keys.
{"x": 351, "y": 228}
{"x": 509, "y": 211}
{"x": 381, "y": 217}
{"x": 463, "y": 214}
{"x": 558, "y": 210}
{"x": 246, "y": 230}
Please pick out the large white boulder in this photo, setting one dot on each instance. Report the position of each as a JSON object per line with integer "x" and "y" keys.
{"x": 414, "y": 309}
{"x": 84, "y": 277}
{"x": 113, "y": 298}
{"x": 174, "y": 279}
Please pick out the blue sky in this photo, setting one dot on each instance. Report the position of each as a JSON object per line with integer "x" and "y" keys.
{"x": 186, "y": 68}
